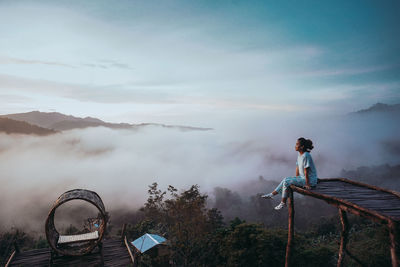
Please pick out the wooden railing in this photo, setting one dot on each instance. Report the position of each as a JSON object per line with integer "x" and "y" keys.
{"x": 345, "y": 206}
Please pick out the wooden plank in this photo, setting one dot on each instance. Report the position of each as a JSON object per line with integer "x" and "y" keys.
{"x": 361, "y": 211}
{"x": 344, "y": 236}
{"x": 383, "y": 202}
{"x": 114, "y": 251}
{"x": 362, "y": 185}
{"x": 290, "y": 229}
{"x": 358, "y": 193}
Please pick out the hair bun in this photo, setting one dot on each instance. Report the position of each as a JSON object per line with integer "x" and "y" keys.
{"x": 309, "y": 145}
{"x": 306, "y": 143}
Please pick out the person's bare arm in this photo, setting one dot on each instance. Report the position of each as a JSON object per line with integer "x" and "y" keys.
{"x": 307, "y": 186}
{"x": 297, "y": 171}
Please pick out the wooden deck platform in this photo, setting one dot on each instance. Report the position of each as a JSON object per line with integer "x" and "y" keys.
{"x": 115, "y": 254}
{"x": 375, "y": 203}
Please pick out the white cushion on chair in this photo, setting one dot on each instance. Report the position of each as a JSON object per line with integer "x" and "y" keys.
{"x": 63, "y": 239}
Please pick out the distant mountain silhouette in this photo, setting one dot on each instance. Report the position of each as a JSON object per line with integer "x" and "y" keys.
{"x": 60, "y": 122}
{"x": 10, "y": 126}
{"x": 380, "y": 108}
{"x": 84, "y": 123}
{"x": 56, "y": 121}
{"x": 179, "y": 127}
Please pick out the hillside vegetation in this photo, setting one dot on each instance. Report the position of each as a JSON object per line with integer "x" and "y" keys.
{"x": 198, "y": 236}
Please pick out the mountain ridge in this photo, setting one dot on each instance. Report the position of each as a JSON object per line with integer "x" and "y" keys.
{"x": 379, "y": 108}
{"x": 10, "y": 126}
{"x": 60, "y": 122}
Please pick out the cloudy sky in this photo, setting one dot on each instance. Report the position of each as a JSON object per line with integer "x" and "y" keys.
{"x": 247, "y": 69}
{"x": 182, "y": 62}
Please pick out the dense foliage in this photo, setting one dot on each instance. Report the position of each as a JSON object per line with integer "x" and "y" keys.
{"x": 198, "y": 236}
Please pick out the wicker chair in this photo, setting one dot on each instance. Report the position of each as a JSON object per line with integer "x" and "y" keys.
{"x": 76, "y": 245}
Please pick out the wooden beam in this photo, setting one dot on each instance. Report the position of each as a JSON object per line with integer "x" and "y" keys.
{"x": 394, "y": 242}
{"x": 343, "y": 237}
{"x": 11, "y": 258}
{"x": 290, "y": 228}
{"x": 129, "y": 251}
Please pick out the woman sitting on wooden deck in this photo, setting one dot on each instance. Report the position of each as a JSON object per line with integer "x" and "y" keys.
{"x": 306, "y": 173}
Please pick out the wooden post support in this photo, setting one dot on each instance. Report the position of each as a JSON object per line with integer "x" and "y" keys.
{"x": 130, "y": 252}
{"x": 123, "y": 232}
{"x": 344, "y": 237}
{"x": 290, "y": 228}
{"x": 10, "y": 259}
{"x": 394, "y": 242}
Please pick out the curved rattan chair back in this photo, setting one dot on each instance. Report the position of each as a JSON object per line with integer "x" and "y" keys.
{"x": 83, "y": 247}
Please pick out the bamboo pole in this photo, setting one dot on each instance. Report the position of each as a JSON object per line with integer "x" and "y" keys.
{"x": 343, "y": 237}
{"x": 394, "y": 245}
{"x": 11, "y": 258}
{"x": 290, "y": 228}
{"x": 16, "y": 250}
{"x": 129, "y": 251}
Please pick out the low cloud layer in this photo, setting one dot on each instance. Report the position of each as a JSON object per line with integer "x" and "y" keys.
{"x": 120, "y": 164}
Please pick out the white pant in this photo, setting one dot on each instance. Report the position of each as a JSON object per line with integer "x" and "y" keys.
{"x": 283, "y": 186}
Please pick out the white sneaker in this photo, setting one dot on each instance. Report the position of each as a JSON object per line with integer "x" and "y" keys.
{"x": 280, "y": 206}
{"x": 268, "y": 196}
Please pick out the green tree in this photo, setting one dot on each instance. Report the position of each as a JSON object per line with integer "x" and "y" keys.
{"x": 184, "y": 220}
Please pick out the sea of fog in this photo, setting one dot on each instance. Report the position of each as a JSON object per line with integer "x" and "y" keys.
{"x": 120, "y": 164}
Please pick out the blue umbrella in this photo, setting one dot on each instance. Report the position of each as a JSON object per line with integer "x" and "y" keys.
{"x": 147, "y": 241}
